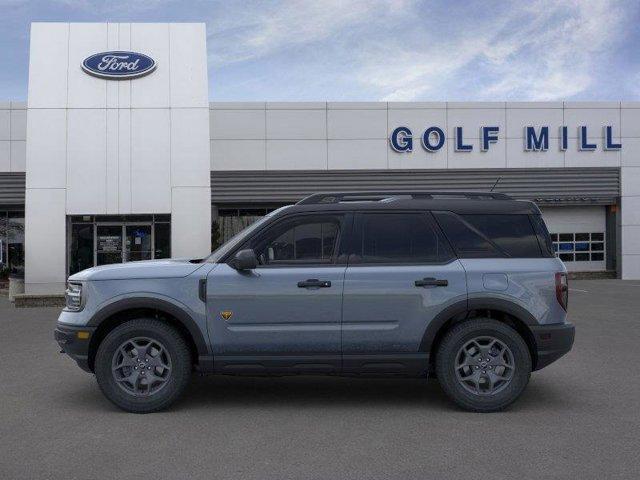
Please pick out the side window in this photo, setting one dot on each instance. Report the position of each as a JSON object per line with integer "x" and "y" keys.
{"x": 303, "y": 240}
{"x": 468, "y": 242}
{"x": 400, "y": 238}
{"x": 514, "y": 234}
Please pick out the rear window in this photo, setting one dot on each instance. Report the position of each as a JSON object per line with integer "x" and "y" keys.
{"x": 490, "y": 236}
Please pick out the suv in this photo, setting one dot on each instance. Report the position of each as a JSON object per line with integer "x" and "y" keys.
{"x": 463, "y": 286}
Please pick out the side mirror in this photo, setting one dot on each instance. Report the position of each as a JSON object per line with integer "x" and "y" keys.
{"x": 244, "y": 260}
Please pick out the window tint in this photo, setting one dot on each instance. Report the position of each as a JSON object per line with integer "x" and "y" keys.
{"x": 544, "y": 239}
{"x": 467, "y": 242}
{"x": 400, "y": 238}
{"x": 303, "y": 240}
{"x": 475, "y": 236}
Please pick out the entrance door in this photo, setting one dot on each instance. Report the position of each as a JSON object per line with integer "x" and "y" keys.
{"x": 108, "y": 244}
{"x": 137, "y": 243}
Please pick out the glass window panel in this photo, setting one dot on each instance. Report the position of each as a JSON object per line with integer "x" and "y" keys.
{"x": 512, "y": 233}
{"x": 566, "y": 237}
{"x": 467, "y": 242}
{"x": 598, "y": 237}
{"x": 566, "y": 257}
{"x": 81, "y": 252}
{"x": 15, "y": 242}
{"x": 597, "y": 257}
{"x": 597, "y": 247}
{"x": 163, "y": 240}
{"x": 566, "y": 247}
{"x": 582, "y": 237}
{"x": 582, "y": 257}
{"x": 401, "y": 238}
{"x": 554, "y": 237}
{"x": 582, "y": 246}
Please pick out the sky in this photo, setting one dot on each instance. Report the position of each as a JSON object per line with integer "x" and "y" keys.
{"x": 377, "y": 50}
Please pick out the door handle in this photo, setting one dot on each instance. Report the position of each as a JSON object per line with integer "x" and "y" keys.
{"x": 431, "y": 282}
{"x": 314, "y": 283}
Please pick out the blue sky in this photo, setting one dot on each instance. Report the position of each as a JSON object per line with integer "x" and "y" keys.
{"x": 363, "y": 50}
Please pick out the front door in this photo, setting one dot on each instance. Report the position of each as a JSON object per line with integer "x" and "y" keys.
{"x": 286, "y": 313}
{"x": 137, "y": 245}
{"x": 108, "y": 244}
{"x": 401, "y": 274}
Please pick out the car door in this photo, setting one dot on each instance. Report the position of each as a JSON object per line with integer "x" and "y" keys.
{"x": 285, "y": 314}
{"x": 401, "y": 274}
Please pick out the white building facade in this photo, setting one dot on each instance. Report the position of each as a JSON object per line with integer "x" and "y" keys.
{"x": 102, "y": 170}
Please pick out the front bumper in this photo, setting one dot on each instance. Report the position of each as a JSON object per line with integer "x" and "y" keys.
{"x": 552, "y": 342}
{"x": 73, "y": 344}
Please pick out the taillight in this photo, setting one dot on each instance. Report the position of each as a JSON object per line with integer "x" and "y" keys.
{"x": 562, "y": 289}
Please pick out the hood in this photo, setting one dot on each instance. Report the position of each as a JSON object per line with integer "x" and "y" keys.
{"x": 167, "y": 268}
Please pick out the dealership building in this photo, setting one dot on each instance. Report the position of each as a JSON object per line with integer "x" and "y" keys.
{"x": 118, "y": 155}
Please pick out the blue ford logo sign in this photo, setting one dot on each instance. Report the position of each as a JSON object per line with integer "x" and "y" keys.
{"x": 118, "y": 65}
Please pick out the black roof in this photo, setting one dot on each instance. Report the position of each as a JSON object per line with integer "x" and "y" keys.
{"x": 458, "y": 202}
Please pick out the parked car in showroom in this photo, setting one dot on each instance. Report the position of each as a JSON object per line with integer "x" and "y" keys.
{"x": 463, "y": 286}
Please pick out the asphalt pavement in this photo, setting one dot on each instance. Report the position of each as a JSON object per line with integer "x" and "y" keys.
{"x": 579, "y": 418}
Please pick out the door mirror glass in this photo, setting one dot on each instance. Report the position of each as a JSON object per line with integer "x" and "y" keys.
{"x": 244, "y": 260}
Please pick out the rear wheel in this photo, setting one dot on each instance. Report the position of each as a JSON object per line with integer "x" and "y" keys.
{"x": 143, "y": 365}
{"x": 483, "y": 365}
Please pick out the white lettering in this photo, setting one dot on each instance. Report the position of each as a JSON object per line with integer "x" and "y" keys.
{"x": 117, "y": 63}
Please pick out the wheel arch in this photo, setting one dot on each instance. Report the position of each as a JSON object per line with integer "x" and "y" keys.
{"x": 504, "y": 311}
{"x": 120, "y": 311}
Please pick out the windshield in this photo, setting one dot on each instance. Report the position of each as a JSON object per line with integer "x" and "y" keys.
{"x": 239, "y": 237}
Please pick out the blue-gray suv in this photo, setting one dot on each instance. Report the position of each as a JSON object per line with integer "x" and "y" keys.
{"x": 462, "y": 286}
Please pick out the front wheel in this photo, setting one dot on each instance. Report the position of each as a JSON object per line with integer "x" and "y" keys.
{"x": 143, "y": 365}
{"x": 483, "y": 365}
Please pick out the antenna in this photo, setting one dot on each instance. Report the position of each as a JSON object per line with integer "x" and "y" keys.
{"x": 494, "y": 185}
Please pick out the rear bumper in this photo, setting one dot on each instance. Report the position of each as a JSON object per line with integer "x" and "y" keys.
{"x": 77, "y": 348}
{"x": 552, "y": 342}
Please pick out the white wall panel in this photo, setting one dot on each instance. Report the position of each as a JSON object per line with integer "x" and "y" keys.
{"x": 48, "y": 62}
{"x": 188, "y": 56}
{"x": 574, "y": 157}
{"x": 86, "y": 161}
{"x": 111, "y": 162}
{"x": 191, "y": 222}
{"x": 296, "y": 154}
{"x": 357, "y": 154}
{"x": 592, "y": 118}
{"x": 190, "y": 164}
{"x": 472, "y": 119}
{"x": 152, "y": 91}
{"x": 86, "y": 91}
{"x": 630, "y": 153}
{"x": 517, "y": 157}
{"x": 124, "y": 161}
{"x": 47, "y": 148}
{"x": 419, "y": 158}
{"x": 418, "y": 120}
{"x": 357, "y": 124}
{"x": 5, "y": 156}
{"x": 18, "y": 156}
{"x": 113, "y": 43}
{"x": 45, "y": 240}
{"x": 5, "y": 124}
{"x": 296, "y": 124}
{"x": 18, "y": 124}
{"x": 124, "y": 86}
{"x": 238, "y": 124}
{"x": 518, "y": 118}
{"x": 630, "y": 120}
{"x": 238, "y": 155}
{"x": 150, "y": 161}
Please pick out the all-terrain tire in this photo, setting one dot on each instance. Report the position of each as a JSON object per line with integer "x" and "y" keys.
{"x": 449, "y": 355}
{"x": 175, "y": 355}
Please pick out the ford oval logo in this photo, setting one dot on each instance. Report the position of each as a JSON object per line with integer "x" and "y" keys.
{"x": 118, "y": 65}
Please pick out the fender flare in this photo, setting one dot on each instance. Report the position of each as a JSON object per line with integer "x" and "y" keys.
{"x": 464, "y": 307}
{"x": 157, "y": 304}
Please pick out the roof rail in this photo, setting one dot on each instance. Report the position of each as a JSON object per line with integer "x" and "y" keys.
{"x": 337, "y": 197}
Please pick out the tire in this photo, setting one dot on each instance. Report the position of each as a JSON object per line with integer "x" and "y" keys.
{"x": 152, "y": 377}
{"x": 492, "y": 385}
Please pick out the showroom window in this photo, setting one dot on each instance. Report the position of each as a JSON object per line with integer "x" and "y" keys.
{"x": 104, "y": 239}
{"x": 11, "y": 243}
{"x": 579, "y": 247}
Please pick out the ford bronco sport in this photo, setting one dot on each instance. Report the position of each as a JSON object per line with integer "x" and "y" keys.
{"x": 463, "y": 286}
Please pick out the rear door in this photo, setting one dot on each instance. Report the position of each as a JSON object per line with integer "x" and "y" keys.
{"x": 401, "y": 274}
{"x": 286, "y": 313}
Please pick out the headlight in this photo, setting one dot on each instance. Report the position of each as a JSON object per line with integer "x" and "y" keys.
{"x": 73, "y": 296}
